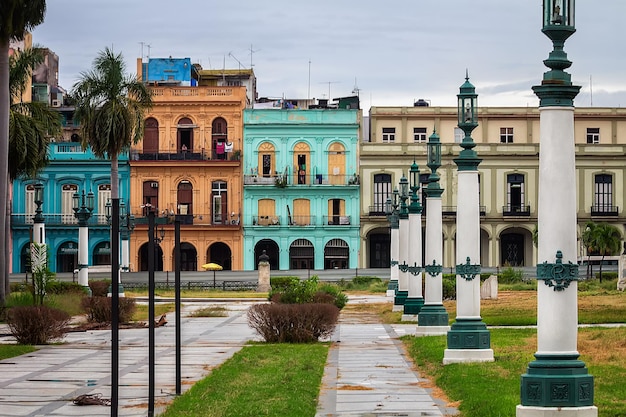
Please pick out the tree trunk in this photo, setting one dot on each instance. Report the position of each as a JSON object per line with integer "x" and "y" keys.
{"x": 115, "y": 190}
{"x": 601, "y": 262}
{"x": 4, "y": 165}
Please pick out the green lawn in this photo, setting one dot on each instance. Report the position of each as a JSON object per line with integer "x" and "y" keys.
{"x": 260, "y": 380}
{"x": 493, "y": 389}
{"x": 9, "y": 351}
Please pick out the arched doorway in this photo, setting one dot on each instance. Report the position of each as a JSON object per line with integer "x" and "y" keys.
{"x": 302, "y": 254}
{"x": 379, "y": 248}
{"x": 336, "y": 254}
{"x": 219, "y": 137}
{"x": 514, "y": 246}
{"x": 184, "y": 203}
{"x": 150, "y": 140}
{"x": 220, "y": 254}
{"x": 102, "y": 254}
{"x": 188, "y": 257}
{"x": 67, "y": 257}
{"x": 184, "y": 140}
{"x": 25, "y": 259}
{"x": 271, "y": 249}
{"x": 143, "y": 258}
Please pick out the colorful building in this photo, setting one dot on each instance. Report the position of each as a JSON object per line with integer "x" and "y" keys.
{"x": 301, "y": 188}
{"x": 188, "y": 166}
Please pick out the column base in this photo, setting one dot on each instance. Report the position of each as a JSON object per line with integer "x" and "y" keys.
{"x": 399, "y": 300}
{"x": 433, "y": 315}
{"x": 431, "y": 330}
{"x": 409, "y": 317}
{"x": 557, "y": 381}
{"x": 467, "y": 355}
{"x": 87, "y": 290}
{"x": 469, "y": 334}
{"x": 528, "y": 411}
{"x": 120, "y": 291}
{"x": 413, "y": 305}
{"x": 392, "y": 287}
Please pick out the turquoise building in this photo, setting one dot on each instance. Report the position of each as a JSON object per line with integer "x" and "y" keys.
{"x": 70, "y": 170}
{"x": 301, "y": 188}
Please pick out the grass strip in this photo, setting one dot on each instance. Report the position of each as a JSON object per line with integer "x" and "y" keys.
{"x": 10, "y": 351}
{"x": 493, "y": 389}
{"x": 259, "y": 380}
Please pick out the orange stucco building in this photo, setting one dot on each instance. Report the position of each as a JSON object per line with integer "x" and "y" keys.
{"x": 188, "y": 166}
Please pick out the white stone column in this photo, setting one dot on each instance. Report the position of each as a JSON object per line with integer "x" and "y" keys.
{"x": 403, "y": 279}
{"x": 394, "y": 255}
{"x": 83, "y": 256}
{"x": 125, "y": 258}
{"x": 415, "y": 298}
{"x": 433, "y": 317}
{"x": 39, "y": 233}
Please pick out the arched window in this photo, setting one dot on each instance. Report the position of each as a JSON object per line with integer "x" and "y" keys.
{"x": 337, "y": 164}
{"x": 267, "y": 159}
{"x": 184, "y": 203}
{"x": 151, "y": 136}
{"x": 301, "y": 162}
{"x": 219, "y": 137}
{"x": 184, "y": 135}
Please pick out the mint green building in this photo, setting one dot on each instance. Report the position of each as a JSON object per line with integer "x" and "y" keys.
{"x": 301, "y": 188}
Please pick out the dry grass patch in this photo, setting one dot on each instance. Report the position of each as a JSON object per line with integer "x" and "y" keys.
{"x": 354, "y": 388}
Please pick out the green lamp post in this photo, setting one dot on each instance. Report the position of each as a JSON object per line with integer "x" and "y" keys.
{"x": 391, "y": 210}
{"x": 403, "y": 224}
{"x": 83, "y": 205}
{"x": 468, "y": 339}
{"x": 433, "y": 317}
{"x": 413, "y": 264}
{"x": 557, "y": 382}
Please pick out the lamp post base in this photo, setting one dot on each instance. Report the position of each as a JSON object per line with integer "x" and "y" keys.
{"x": 392, "y": 287}
{"x": 412, "y": 306}
{"x": 399, "y": 299}
{"x": 433, "y": 315}
{"x": 526, "y": 411}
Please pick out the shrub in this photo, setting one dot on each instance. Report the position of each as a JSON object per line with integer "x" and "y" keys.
{"x": 448, "y": 286}
{"x": 509, "y": 275}
{"x": 281, "y": 283}
{"x": 333, "y": 294}
{"x": 293, "y": 323}
{"x": 62, "y": 287}
{"x": 36, "y": 325}
{"x": 99, "y": 288}
{"x": 309, "y": 291}
{"x": 98, "y": 309}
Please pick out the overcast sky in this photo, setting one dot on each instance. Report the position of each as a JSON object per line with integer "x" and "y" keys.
{"x": 395, "y": 51}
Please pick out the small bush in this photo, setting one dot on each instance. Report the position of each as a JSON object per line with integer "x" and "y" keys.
{"x": 98, "y": 309}
{"x": 509, "y": 275}
{"x": 334, "y": 295}
{"x": 99, "y": 288}
{"x": 448, "y": 286}
{"x": 36, "y": 325}
{"x": 293, "y": 323}
{"x": 62, "y": 287}
{"x": 282, "y": 283}
{"x": 20, "y": 287}
{"x": 309, "y": 291}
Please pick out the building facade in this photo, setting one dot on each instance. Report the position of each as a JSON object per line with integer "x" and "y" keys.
{"x": 301, "y": 188}
{"x": 71, "y": 170}
{"x": 508, "y": 143}
{"x": 188, "y": 166}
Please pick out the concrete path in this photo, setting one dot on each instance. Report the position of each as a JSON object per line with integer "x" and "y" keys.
{"x": 367, "y": 373}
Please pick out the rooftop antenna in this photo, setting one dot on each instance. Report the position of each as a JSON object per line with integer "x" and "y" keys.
{"x": 251, "y": 52}
{"x": 235, "y": 58}
{"x": 308, "y": 94}
{"x": 329, "y": 83}
{"x": 591, "y": 90}
{"x": 356, "y": 88}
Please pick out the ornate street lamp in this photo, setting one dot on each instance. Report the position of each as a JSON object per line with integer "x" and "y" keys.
{"x": 557, "y": 379}
{"x": 469, "y": 339}
{"x": 38, "y": 202}
{"x": 83, "y": 205}
{"x": 391, "y": 209}
{"x": 403, "y": 249}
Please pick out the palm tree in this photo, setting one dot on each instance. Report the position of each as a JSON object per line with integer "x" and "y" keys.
{"x": 16, "y": 17}
{"x": 110, "y": 107}
{"x": 32, "y": 124}
{"x": 607, "y": 241}
{"x": 587, "y": 237}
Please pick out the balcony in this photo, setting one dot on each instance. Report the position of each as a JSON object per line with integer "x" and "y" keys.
{"x": 301, "y": 220}
{"x": 337, "y": 220}
{"x": 266, "y": 220}
{"x": 205, "y": 220}
{"x": 376, "y": 210}
{"x": 302, "y": 180}
{"x": 451, "y": 211}
{"x": 516, "y": 210}
{"x": 205, "y": 155}
{"x": 604, "y": 210}
{"x": 56, "y": 220}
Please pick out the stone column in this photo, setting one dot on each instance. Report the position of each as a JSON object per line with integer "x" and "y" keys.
{"x": 394, "y": 255}
{"x": 264, "y": 273}
{"x": 433, "y": 317}
{"x": 83, "y": 256}
{"x": 468, "y": 339}
{"x": 557, "y": 382}
{"x": 403, "y": 279}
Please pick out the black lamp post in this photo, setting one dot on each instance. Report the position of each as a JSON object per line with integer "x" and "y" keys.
{"x": 83, "y": 205}
{"x": 38, "y": 202}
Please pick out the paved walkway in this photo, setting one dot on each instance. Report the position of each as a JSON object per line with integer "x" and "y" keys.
{"x": 367, "y": 372}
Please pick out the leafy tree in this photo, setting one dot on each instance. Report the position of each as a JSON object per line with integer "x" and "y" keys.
{"x": 587, "y": 237}
{"x": 16, "y": 17}
{"x": 110, "y": 106}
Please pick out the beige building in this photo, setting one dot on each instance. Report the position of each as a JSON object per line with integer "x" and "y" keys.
{"x": 508, "y": 142}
